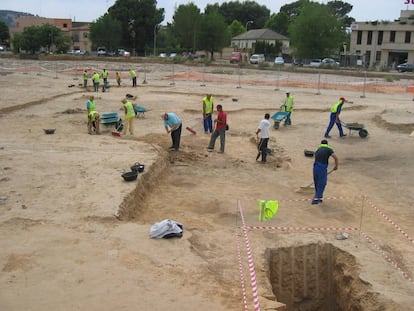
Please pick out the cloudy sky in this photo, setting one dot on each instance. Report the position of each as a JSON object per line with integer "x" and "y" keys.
{"x": 89, "y": 10}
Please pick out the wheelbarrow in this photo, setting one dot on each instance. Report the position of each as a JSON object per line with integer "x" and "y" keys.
{"x": 140, "y": 111}
{"x": 362, "y": 132}
{"x": 279, "y": 117}
{"x": 112, "y": 119}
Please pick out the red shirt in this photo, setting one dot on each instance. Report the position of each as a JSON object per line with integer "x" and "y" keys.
{"x": 221, "y": 120}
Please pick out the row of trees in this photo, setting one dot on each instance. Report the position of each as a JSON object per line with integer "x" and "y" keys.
{"x": 314, "y": 29}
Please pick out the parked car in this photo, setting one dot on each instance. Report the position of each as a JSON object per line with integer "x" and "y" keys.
{"x": 2, "y": 49}
{"x": 236, "y": 57}
{"x": 405, "y": 67}
{"x": 257, "y": 59}
{"x": 297, "y": 62}
{"x": 316, "y": 62}
{"x": 163, "y": 55}
{"x": 330, "y": 62}
{"x": 101, "y": 51}
{"x": 279, "y": 61}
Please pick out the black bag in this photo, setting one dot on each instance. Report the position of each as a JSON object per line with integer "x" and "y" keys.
{"x": 227, "y": 127}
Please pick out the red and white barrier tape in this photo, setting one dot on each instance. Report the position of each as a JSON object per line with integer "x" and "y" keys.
{"x": 397, "y": 227}
{"x": 388, "y": 258}
{"x": 242, "y": 280}
{"x": 304, "y": 229}
{"x": 253, "y": 280}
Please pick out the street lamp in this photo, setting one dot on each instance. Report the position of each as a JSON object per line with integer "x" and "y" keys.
{"x": 247, "y": 24}
{"x": 155, "y": 39}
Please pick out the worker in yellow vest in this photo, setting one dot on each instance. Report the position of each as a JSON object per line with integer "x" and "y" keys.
{"x": 129, "y": 116}
{"x": 104, "y": 75}
{"x": 334, "y": 117}
{"x": 95, "y": 80}
{"x": 93, "y": 115}
{"x": 208, "y": 106}
{"x": 288, "y": 107}
{"x": 85, "y": 78}
{"x": 133, "y": 76}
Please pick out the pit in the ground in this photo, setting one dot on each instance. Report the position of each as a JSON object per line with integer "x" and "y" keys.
{"x": 318, "y": 277}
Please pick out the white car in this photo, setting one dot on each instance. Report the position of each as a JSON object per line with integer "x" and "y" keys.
{"x": 279, "y": 61}
{"x": 316, "y": 62}
{"x": 330, "y": 62}
{"x": 257, "y": 59}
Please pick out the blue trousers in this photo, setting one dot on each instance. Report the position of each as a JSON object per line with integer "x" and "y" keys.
{"x": 320, "y": 178}
{"x": 331, "y": 124}
{"x": 262, "y": 147}
{"x": 208, "y": 124}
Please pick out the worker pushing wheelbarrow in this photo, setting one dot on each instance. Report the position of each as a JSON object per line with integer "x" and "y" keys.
{"x": 285, "y": 111}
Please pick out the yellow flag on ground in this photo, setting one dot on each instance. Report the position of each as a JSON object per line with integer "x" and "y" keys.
{"x": 268, "y": 209}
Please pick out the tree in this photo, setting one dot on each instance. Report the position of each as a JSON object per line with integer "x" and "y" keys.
{"x": 138, "y": 20}
{"x": 235, "y": 28}
{"x": 213, "y": 33}
{"x": 186, "y": 25}
{"x": 52, "y": 38}
{"x": 278, "y": 22}
{"x": 30, "y": 40}
{"x": 4, "y": 32}
{"x": 341, "y": 9}
{"x": 243, "y": 12}
{"x": 105, "y": 32}
{"x": 316, "y": 32}
{"x": 16, "y": 41}
{"x": 35, "y": 38}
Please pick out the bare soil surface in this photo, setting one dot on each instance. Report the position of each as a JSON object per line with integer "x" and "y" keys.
{"x": 75, "y": 235}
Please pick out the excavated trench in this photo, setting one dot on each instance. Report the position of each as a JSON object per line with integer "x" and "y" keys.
{"x": 319, "y": 277}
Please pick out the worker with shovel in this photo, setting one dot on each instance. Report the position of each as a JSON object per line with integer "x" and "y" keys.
{"x": 320, "y": 169}
{"x": 263, "y": 133}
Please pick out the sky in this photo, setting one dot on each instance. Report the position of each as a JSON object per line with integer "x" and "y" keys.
{"x": 90, "y": 10}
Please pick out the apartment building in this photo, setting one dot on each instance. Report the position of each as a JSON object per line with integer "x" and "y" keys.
{"x": 78, "y": 31}
{"x": 382, "y": 44}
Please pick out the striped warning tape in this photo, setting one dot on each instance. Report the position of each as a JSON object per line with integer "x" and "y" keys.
{"x": 253, "y": 280}
{"x": 396, "y": 226}
{"x": 242, "y": 280}
{"x": 307, "y": 199}
{"x": 388, "y": 258}
{"x": 304, "y": 229}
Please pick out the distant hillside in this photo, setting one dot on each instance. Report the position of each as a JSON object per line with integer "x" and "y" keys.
{"x": 9, "y": 17}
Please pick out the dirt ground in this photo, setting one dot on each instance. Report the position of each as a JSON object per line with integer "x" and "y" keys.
{"x": 75, "y": 235}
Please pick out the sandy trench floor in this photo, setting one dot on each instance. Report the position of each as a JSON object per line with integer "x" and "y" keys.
{"x": 64, "y": 249}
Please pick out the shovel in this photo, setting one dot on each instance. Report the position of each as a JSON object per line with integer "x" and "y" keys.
{"x": 310, "y": 186}
{"x": 117, "y": 130}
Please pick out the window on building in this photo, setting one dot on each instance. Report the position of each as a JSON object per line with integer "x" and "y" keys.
{"x": 359, "y": 37}
{"x": 369, "y": 37}
{"x": 85, "y": 34}
{"x": 392, "y": 36}
{"x": 367, "y": 58}
{"x": 380, "y": 37}
{"x": 75, "y": 37}
{"x": 407, "y": 37}
{"x": 378, "y": 57}
{"x": 65, "y": 25}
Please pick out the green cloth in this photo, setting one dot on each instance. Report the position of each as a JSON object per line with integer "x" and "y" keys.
{"x": 268, "y": 209}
